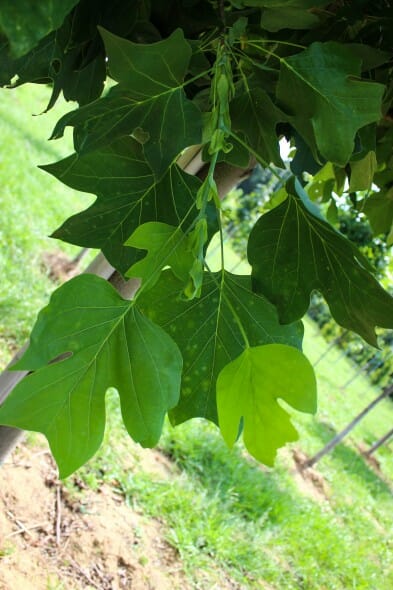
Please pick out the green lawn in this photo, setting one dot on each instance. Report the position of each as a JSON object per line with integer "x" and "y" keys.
{"x": 228, "y": 517}
{"x": 25, "y": 222}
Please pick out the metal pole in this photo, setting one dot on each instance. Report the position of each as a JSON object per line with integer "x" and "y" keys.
{"x": 379, "y": 443}
{"x": 339, "y": 437}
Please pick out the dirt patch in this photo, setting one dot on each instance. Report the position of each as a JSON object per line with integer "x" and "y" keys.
{"x": 51, "y": 539}
{"x": 309, "y": 480}
{"x": 59, "y": 267}
{"x": 370, "y": 459}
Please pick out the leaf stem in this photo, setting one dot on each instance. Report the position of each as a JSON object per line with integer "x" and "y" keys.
{"x": 267, "y": 52}
{"x": 276, "y": 41}
{"x": 258, "y": 157}
{"x": 197, "y": 77}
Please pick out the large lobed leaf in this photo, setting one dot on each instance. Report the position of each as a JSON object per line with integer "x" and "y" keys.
{"x": 208, "y": 333}
{"x": 326, "y": 101}
{"x": 107, "y": 342}
{"x": 127, "y": 196}
{"x": 293, "y": 250}
{"x": 148, "y": 101}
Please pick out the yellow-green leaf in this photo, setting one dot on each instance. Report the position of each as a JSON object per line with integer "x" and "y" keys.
{"x": 248, "y": 390}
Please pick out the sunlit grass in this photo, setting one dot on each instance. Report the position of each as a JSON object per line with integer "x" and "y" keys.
{"x": 32, "y": 205}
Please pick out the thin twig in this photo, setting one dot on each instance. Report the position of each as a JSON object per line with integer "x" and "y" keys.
{"x": 84, "y": 574}
{"x": 25, "y": 529}
{"x": 19, "y": 523}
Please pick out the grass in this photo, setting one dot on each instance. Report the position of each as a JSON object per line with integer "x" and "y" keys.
{"x": 229, "y": 518}
{"x": 25, "y": 222}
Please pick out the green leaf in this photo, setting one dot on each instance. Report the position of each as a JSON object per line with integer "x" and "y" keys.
{"x": 293, "y": 250}
{"x": 285, "y": 14}
{"x": 371, "y": 57}
{"x": 108, "y": 343}
{"x": 325, "y": 101}
{"x": 278, "y": 3}
{"x": 362, "y": 173}
{"x": 208, "y": 334}
{"x": 127, "y": 195}
{"x": 25, "y": 22}
{"x": 73, "y": 56}
{"x": 322, "y": 184}
{"x": 254, "y": 115}
{"x": 295, "y": 14}
{"x": 379, "y": 210}
{"x": 248, "y": 390}
{"x": 167, "y": 245}
{"x": 303, "y": 160}
{"x": 148, "y": 98}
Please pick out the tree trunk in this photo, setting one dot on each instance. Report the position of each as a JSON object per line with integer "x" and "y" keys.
{"x": 190, "y": 161}
{"x": 339, "y": 437}
{"x": 379, "y": 443}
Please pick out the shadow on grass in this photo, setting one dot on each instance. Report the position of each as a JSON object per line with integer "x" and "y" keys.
{"x": 351, "y": 460}
{"x": 240, "y": 483}
{"x": 41, "y": 145}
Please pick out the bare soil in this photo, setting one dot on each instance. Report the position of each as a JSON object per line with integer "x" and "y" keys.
{"x": 52, "y": 541}
{"x": 309, "y": 481}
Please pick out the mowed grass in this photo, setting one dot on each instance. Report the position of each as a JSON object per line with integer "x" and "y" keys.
{"x": 32, "y": 206}
{"x": 233, "y": 522}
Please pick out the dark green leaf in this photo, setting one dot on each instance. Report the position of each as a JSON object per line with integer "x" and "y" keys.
{"x": 149, "y": 97}
{"x": 370, "y": 56}
{"x": 248, "y": 390}
{"x": 109, "y": 343}
{"x": 238, "y": 156}
{"x": 127, "y": 195}
{"x": 73, "y": 56}
{"x": 293, "y": 250}
{"x": 325, "y": 101}
{"x": 208, "y": 335}
{"x": 254, "y": 116}
{"x": 81, "y": 85}
{"x": 25, "y": 22}
{"x": 7, "y": 68}
{"x": 379, "y": 210}
{"x": 303, "y": 160}
{"x": 362, "y": 173}
{"x": 277, "y": 3}
{"x": 291, "y": 15}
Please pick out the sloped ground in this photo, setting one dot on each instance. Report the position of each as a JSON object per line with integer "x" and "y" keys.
{"x": 50, "y": 540}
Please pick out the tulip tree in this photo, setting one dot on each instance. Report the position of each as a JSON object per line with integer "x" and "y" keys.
{"x": 151, "y": 79}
